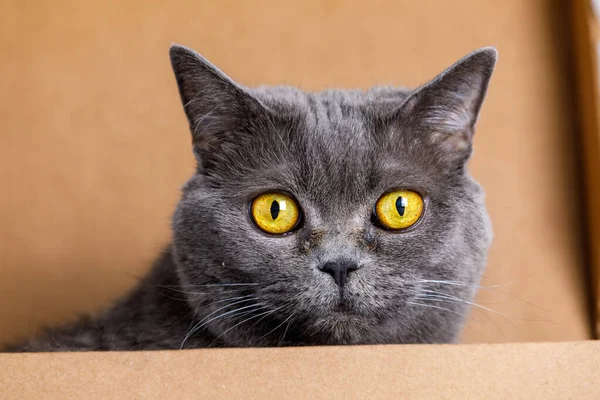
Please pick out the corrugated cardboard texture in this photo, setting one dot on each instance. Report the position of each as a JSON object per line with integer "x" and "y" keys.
{"x": 515, "y": 371}
{"x": 94, "y": 144}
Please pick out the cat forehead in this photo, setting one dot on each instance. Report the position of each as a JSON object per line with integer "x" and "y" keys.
{"x": 379, "y": 99}
{"x": 330, "y": 142}
{"x": 336, "y": 123}
{"x": 330, "y": 152}
{"x": 325, "y": 130}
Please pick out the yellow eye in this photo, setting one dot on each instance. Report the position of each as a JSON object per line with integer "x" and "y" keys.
{"x": 275, "y": 213}
{"x": 399, "y": 209}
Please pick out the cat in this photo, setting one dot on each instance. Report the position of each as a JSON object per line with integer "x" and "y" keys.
{"x": 313, "y": 218}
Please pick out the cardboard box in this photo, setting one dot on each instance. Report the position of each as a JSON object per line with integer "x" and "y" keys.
{"x": 94, "y": 147}
{"x": 586, "y": 27}
{"x": 516, "y": 371}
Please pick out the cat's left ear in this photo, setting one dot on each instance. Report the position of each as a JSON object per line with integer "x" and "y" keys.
{"x": 446, "y": 109}
{"x": 220, "y": 112}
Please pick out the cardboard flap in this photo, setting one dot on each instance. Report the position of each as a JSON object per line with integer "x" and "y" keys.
{"x": 514, "y": 371}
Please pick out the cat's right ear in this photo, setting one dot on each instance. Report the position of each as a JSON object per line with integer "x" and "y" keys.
{"x": 217, "y": 108}
{"x": 445, "y": 110}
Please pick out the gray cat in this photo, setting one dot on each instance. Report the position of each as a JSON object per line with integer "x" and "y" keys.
{"x": 338, "y": 217}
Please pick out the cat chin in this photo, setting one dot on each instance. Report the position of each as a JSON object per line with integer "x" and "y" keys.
{"x": 341, "y": 328}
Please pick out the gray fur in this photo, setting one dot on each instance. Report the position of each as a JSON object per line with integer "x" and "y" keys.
{"x": 223, "y": 282}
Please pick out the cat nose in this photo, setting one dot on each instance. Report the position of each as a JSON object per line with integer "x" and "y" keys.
{"x": 339, "y": 270}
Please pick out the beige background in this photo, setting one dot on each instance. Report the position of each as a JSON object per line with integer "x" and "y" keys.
{"x": 94, "y": 144}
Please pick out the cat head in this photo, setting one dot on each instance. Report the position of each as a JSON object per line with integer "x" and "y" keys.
{"x": 337, "y": 217}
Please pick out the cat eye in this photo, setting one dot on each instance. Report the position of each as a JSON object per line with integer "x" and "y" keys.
{"x": 399, "y": 209}
{"x": 275, "y": 213}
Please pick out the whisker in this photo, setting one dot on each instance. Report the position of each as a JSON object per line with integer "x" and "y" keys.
{"x": 455, "y": 299}
{"x": 444, "y": 296}
{"x": 254, "y": 324}
{"x": 284, "y": 332}
{"x": 277, "y": 132}
{"x": 493, "y": 288}
{"x": 257, "y": 305}
{"x": 523, "y": 300}
{"x": 228, "y": 284}
{"x": 224, "y": 307}
{"x": 300, "y": 83}
{"x": 439, "y": 308}
{"x": 176, "y": 289}
{"x": 237, "y": 310}
{"x": 449, "y": 300}
{"x": 447, "y": 297}
{"x": 181, "y": 319}
{"x": 232, "y": 298}
{"x": 215, "y": 301}
{"x": 264, "y": 314}
{"x": 172, "y": 298}
{"x": 199, "y": 324}
{"x": 458, "y": 299}
{"x": 457, "y": 283}
{"x": 201, "y": 293}
{"x": 277, "y": 327}
{"x": 190, "y": 102}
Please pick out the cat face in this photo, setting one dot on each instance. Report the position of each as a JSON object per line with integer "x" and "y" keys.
{"x": 339, "y": 217}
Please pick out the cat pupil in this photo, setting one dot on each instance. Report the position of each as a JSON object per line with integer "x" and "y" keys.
{"x": 274, "y": 209}
{"x": 401, "y": 203}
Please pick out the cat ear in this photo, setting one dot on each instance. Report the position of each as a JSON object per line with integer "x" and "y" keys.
{"x": 447, "y": 108}
{"x": 217, "y": 108}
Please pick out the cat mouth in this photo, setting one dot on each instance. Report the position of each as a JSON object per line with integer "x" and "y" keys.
{"x": 345, "y": 304}
{"x": 342, "y": 327}
{"x": 343, "y": 307}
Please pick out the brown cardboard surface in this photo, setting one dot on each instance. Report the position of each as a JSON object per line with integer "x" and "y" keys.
{"x": 586, "y": 25}
{"x": 94, "y": 144}
{"x": 514, "y": 371}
